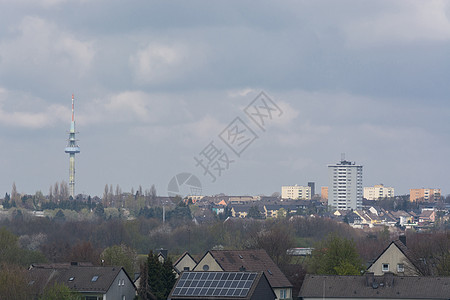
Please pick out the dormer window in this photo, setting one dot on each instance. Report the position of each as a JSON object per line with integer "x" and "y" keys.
{"x": 385, "y": 268}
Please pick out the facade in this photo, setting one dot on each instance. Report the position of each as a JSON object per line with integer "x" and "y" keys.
{"x": 324, "y": 193}
{"x": 424, "y": 195}
{"x": 312, "y": 185}
{"x": 184, "y": 263}
{"x": 248, "y": 261}
{"x": 396, "y": 259}
{"x": 370, "y": 286}
{"x": 296, "y": 192}
{"x": 378, "y": 191}
{"x": 345, "y": 189}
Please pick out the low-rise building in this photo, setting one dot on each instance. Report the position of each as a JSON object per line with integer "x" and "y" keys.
{"x": 248, "y": 261}
{"x": 296, "y": 192}
{"x": 370, "y": 286}
{"x": 421, "y": 195}
{"x": 92, "y": 282}
{"x": 378, "y": 192}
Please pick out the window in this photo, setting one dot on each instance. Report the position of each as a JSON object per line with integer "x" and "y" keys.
{"x": 186, "y": 269}
{"x": 385, "y": 268}
{"x": 283, "y": 294}
{"x": 71, "y": 278}
{"x": 94, "y": 279}
{"x": 400, "y": 268}
{"x": 205, "y": 267}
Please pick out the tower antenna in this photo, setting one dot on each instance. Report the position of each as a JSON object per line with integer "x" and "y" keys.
{"x": 72, "y": 148}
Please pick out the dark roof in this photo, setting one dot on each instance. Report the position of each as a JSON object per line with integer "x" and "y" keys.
{"x": 402, "y": 247}
{"x": 79, "y": 278}
{"x": 399, "y": 287}
{"x": 253, "y": 261}
{"x": 217, "y": 285}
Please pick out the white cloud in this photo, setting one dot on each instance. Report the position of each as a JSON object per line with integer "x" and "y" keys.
{"x": 27, "y": 118}
{"x": 41, "y": 46}
{"x": 406, "y": 21}
{"x": 157, "y": 63}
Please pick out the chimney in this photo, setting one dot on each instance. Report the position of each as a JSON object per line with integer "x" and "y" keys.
{"x": 369, "y": 278}
{"x": 402, "y": 239}
{"x": 388, "y": 279}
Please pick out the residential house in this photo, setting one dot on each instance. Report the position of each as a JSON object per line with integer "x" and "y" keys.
{"x": 397, "y": 259}
{"x": 184, "y": 263}
{"x": 92, "y": 282}
{"x": 250, "y": 261}
{"x": 427, "y": 216}
{"x": 240, "y": 211}
{"x": 222, "y": 285}
{"x": 370, "y": 286}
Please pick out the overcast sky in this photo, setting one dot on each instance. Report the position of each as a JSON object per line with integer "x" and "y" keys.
{"x": 156, "y": 82}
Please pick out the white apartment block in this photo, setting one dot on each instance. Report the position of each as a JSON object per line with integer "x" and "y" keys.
{"x": 296, "y": 192}
{"x": 345, "y": 189}
{"x": 378, "y": 191}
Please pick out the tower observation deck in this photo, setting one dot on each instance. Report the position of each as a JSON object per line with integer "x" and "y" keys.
{"x": 72, "y": 148}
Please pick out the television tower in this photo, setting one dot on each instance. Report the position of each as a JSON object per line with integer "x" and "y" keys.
{"x": 72, "y": 148}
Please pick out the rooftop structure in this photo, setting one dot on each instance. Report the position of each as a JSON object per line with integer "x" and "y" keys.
{"x": 72, "y": 148}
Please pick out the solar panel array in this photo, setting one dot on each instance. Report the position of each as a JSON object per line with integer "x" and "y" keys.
{"x": 203, "y": 284}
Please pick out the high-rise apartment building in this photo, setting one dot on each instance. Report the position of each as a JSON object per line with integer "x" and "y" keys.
{"x": 378, "y": 191}
{"x": 424, "y": 195}
{"x": 312, "y": 185}
{"x": 345, "y": 189}
{"x": 296, "y": 192}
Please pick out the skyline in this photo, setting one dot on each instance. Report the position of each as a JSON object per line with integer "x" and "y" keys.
{"x": 157, "y": 82}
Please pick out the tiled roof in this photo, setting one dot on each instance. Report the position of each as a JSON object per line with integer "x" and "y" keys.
{"x": 253, "y": 261}
{"x": 79, "y": 278}
{"x": 399, "y": 287}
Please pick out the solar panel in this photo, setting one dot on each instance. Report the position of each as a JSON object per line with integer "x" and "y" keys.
{"x": 202, "y": 284}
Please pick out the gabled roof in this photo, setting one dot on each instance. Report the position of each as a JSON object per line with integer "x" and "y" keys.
{"x": 252, "y": 261}
{"x": 182, "y": 256}
{"x": 402, "y": 247}
{"x": 397, "y": 287}
{"x": 79, "y": 278}
{"x": 180, "y": 259}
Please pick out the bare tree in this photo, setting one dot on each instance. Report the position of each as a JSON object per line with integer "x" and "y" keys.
{"x": 64, "y": 190}
{"x": 105, "y": 196}
{"x": 14, "y": 194}
{"x": 50, "y": 194}
{"x": 56, "y": 191}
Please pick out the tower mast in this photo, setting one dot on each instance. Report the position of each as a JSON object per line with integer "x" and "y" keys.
{"x": 72, "y": 148}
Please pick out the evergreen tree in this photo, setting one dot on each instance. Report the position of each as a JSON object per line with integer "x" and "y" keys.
{"x": 157, "y": 278}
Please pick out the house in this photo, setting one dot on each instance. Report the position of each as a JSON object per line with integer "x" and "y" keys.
{"x": 240, "y": 211}
{"x": 371, "y": 286}
{"x": 222, "y": 285}
{"x": 250, "y": 261}
{"x": 427, "y": 216}
{"x": 397, "y": 259}
{"x": 184, "y": 263}
{"x": 92, "y": 282}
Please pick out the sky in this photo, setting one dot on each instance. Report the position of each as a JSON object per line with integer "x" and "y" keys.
{"x": 169, "y": 87}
